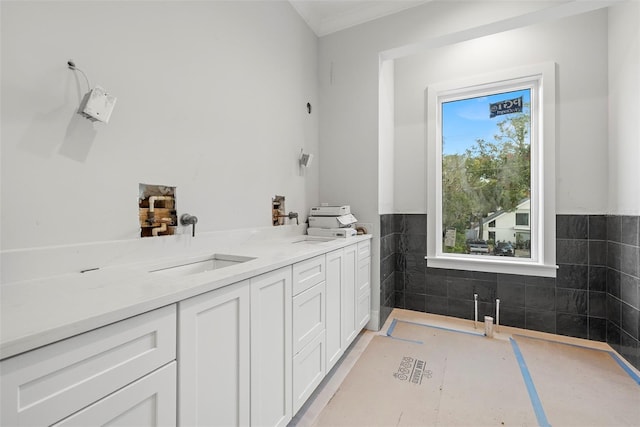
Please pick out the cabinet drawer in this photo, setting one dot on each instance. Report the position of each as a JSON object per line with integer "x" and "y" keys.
{"x": 43, "y": 386}
{"x": 364, "y": 249}
{"x": 308, "y": 370}
{"x": 148, "y": 402}
{"x": 308, "y": 273}
{"x": 308, "y": 315}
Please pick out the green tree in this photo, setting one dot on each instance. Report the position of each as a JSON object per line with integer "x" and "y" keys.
{"x": 490, "y": 175}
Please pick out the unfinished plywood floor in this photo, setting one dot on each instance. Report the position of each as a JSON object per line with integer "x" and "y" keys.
{"x": 428, "y": 370}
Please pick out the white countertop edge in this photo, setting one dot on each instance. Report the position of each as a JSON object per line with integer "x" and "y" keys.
{"x": 37, "y": 328}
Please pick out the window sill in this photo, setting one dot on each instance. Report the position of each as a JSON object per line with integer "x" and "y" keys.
{"x": 504, "y": 266}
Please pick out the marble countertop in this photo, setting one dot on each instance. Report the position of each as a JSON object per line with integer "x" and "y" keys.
{"x": 41, "y": 311}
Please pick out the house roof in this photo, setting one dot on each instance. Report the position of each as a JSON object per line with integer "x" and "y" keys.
{"x": 504, "y": 211}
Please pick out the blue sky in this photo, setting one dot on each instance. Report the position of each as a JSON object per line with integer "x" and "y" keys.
{"x": 466, "y": 120}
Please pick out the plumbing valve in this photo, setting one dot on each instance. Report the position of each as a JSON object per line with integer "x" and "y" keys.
{"x": 186, "y": 219}
{"x": 290, "y": 215}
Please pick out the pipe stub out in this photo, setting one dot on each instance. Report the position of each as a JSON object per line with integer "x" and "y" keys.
{"x": 488, "y": 326}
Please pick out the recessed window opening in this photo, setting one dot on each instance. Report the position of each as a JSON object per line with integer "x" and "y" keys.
{"x": 486, "y": 173}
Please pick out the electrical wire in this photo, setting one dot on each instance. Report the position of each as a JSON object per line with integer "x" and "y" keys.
{"x": 72, "y": 66}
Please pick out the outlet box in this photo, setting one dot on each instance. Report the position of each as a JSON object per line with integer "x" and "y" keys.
{"x": 99, "y": 105}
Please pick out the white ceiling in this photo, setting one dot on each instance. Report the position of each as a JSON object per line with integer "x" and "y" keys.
{"x": 328, "y": 16}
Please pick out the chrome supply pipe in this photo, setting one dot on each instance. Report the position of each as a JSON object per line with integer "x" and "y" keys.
{"x": 497, "y": 314}
{"x": 475, "y": 311}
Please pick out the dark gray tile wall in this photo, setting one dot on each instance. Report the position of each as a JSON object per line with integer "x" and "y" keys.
{"x": 596, "y": 293}
{"x": 623, "y": 286}
{"x": 387, "y": 265}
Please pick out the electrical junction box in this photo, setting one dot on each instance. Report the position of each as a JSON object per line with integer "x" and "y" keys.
{"x": 99, "y": 105}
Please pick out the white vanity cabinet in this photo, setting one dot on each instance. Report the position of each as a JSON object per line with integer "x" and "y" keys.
{"x": 234, "y": 354}
{"x": 309, "y": 319}
{"x": 245, "y": 354}
{"x": 213, "y": 358}
{"x": 119, "y": 373}
{"x": 348, "y": 297}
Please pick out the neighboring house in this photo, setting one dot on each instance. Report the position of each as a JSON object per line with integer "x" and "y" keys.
{"x": 509, "y": 226}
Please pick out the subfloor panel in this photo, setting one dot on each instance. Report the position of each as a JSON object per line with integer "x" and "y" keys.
{"x": 580, "y": 386}
{"x": 429, "y": 370}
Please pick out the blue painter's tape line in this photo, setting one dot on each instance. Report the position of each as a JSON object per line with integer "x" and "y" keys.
{"x": 405, "y": 340}
{"x": 560, "y": 342}
{"x": 476, "y": 334}
{"x": 615, "y": 357}
{"x": 531, "y": 388}
{"x": 624, "y": 366}
{"x": 392, "y": 327}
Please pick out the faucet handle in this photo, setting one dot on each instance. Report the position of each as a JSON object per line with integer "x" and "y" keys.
{"x": 186, "y": 219}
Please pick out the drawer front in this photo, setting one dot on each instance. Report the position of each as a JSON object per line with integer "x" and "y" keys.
{"x": 308, "y": 370}
{"x": 308, "y": 273}
{"x": 308, "y": 315}
{"x": 364, "y": 249}
{"x": 148, "y": 402}
{"x": 43, "y": 386}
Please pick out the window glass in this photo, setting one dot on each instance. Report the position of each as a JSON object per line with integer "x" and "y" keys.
{"x": 486, "y": 172}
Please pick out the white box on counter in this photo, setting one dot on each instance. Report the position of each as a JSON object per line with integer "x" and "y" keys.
{"x": 330, "y": 210}
{"x": 332, "y": 232}
{"x": 341, "y": 221}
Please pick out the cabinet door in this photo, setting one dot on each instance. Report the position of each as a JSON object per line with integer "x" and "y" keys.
{"x": 333, "y": 320}
{"x": 213, "y": 356}
{"x": 363, "y": 307}
{"x": 271, "y": 355}
{"x": 308, "y": 370}
{"x": 148, "y": 402}
{"x": 349, "y": 296}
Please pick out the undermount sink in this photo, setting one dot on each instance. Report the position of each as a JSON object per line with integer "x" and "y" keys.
{"x": 200, "y": 265}
{"x": 314, "y": 239}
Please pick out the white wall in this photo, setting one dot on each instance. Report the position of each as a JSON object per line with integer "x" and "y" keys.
{"x": 348, "y": 74}
{"x": 211, "y": 99}
{"x": 578, "y": 45}
{"x": 624, "y": 111}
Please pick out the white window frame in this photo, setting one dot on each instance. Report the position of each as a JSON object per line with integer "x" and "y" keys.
{"x": 541, "y": 78}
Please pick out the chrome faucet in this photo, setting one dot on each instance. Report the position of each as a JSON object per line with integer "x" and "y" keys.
{"x": 291, "y": 215}
{"x": 186, "y": 219}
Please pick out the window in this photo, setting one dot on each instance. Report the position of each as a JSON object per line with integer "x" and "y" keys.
{"x": 522, "y": 219}
{"x": 486, "y": 163}
{"x": 492, "y": 185}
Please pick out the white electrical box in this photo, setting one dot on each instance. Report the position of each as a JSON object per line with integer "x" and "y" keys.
{"x": 99, "y": 105}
